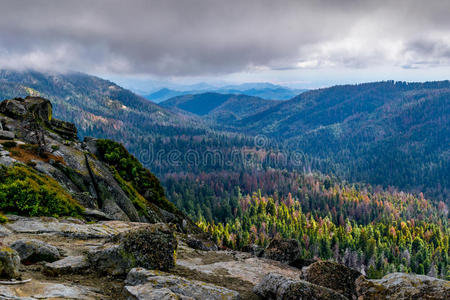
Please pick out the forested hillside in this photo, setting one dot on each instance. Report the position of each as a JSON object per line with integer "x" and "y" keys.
{"x": 238, "y": 164}
{"x": 389, "y": 133}
{"x": 369, "y": 229}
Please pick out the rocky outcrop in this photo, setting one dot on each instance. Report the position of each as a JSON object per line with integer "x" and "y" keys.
{"x": 142, "y": 284}
{"x": 284, "y": 250}
{"x": 65, "y": 129}
{"x": 51, "y": 147}
{"x": 9, "y": 263}
{"x": 403, "y": 286}
{"x": 277, "y": 287}
{"x": 332, "y": 275}
{"x": 32, "y": 251}
{"x": 152, "y": 247}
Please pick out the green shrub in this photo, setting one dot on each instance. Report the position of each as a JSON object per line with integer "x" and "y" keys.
{"x": 3, "y": 219}
{"x": 9, "y": 144}
{"x": 24, "y": 191}
{"x": 131, "y": 170}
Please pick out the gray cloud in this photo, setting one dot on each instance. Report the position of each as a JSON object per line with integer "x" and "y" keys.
{"x": 177, "y": 38}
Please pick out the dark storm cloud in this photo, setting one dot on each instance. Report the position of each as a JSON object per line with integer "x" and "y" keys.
{"x": 212, "y": 37}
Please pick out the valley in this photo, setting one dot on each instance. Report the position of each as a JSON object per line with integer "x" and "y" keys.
{"x": 242, "y": 189}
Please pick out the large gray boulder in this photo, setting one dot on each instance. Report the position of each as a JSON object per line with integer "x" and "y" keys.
{"x": 277, "y": 287}
{"x": 9, "y": 263}
{"x": 142, "y": 284}
{"x": 403, "y": 286}
{"x": 332, "y": 275}
{"x": 283, "y": 250}
{"x": 32, "y": 251}
{"x": 152, "y": 247}
{"x": 14, "y": 108}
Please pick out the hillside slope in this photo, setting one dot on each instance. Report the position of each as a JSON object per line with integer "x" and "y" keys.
{"x": 47, "y": 171}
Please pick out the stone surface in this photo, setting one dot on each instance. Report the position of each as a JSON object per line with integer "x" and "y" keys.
{"x": 32, "y": 251}
{"x": 7, "y": 161}
{"x": 95, "y": 214}
{"x": 143, "y": 284}
{"x": 403, "y": 286}
{"x": 65, "y": 129}
{"x": 67, "y": 265}
{"x": 69, "y": 229}
{"x": 4, "y": 153}
{"x": 152, "y": 247}
{"x": 238, "y": 265}
{"x": 4, "y": 231}
{"x": 332, "y": 275}
{"x": 13, "y": 108}
{"x": 47, "y": 290}
{"x": 6, "y": 135}
{"x": 110, "y": 260}
{"x": 9, "y": 263}
{"x": 275, "y": 286}
{"x": 284, "y": 250}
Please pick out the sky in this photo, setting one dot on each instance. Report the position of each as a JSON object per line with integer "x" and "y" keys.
{"x": 303, "y": 44}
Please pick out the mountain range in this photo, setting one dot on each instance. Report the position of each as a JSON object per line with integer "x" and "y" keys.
{"x": 262, "y": 90}
{"x": 388, "y": 133}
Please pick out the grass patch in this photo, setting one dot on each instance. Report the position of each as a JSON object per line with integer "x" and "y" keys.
{"x": 24, "y": 191}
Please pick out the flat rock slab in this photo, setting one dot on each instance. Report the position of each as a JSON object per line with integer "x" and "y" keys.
{"x": 67, "y": 265}
{"x": 70, "y": 228}
{"x": 7, "y": 135}
{"x": 144, "y": 284}
{"x": 240, "y": 265}
{"x": 47, "y": 290}
{"x": 403, "y": 286}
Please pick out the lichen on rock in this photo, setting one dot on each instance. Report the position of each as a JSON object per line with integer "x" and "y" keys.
{"x": 9, "y": 263}
{"x": 151, "y": 247}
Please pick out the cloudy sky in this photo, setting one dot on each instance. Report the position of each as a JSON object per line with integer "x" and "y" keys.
{"x": 297, "y": 43}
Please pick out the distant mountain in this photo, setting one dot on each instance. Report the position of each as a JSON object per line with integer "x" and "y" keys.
{"x": 164, "y": 94}
{"x": 390, "y": 133}
{"x": 222, "y": 108}
{"x": 263, "y": 90}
